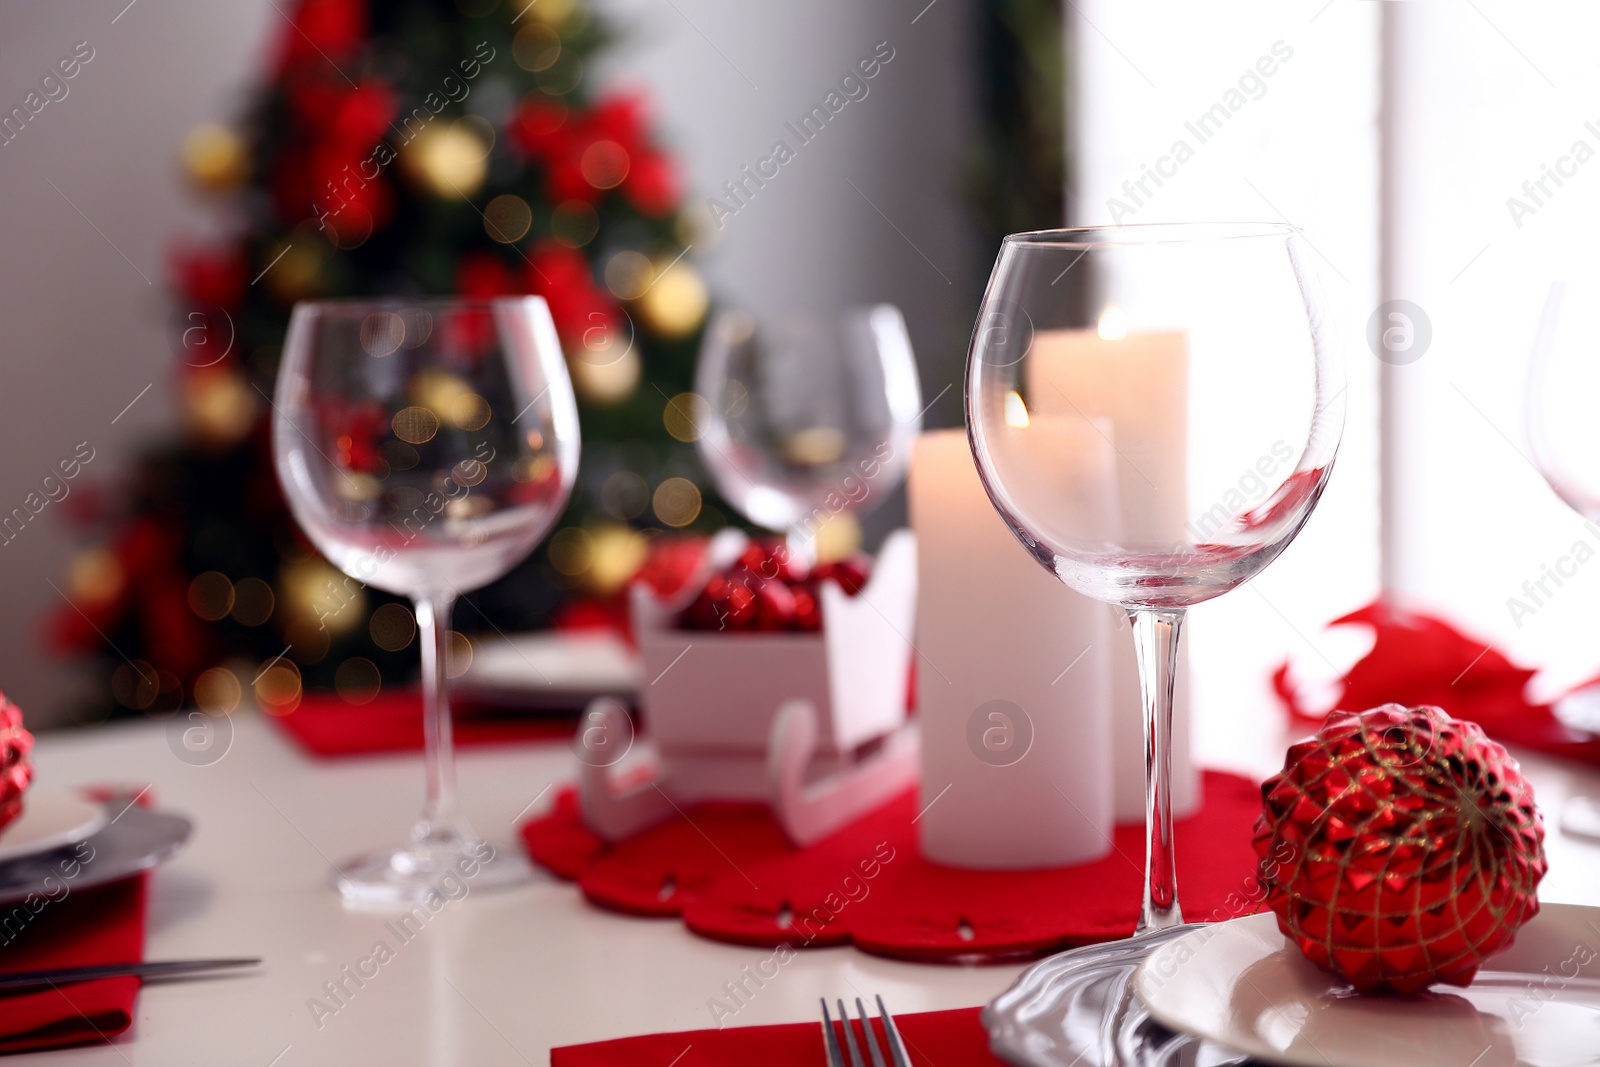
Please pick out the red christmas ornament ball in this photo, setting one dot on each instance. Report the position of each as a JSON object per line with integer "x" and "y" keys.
{"x": 726, "y": 603}
{"x": 1400, "y": 847}
{"x": 851, "y": 573}
{"x": 16, "y": 766}
{"x": 771, "y": 561}
{"x": 775, "y": 606}
{"x": 767, "y": 588}
{"x": 807, "y": 611}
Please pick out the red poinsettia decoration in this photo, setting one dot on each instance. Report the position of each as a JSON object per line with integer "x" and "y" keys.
{"x": 586, "y": 153}
{"x": 210, "y": 276}
{"x": 482, "y": 275}
{"x": 323, "y": 31}
{"x": 1419, "y": 659}
{"x": 563, "y": 277}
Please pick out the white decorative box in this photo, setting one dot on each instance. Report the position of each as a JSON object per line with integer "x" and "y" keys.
{"x": 813, "y": 723}
{"x": 718, "y": 690}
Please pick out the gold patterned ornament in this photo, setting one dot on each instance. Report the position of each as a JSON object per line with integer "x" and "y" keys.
{"x": 606, "y": 369}
{"x": 676, "y": 302}
{"x": 293, "y": 269}
{"x": 616, "y": 553}
{"x": 95, "y": 576}
{"x": 219, "y": 407}
{"x": 316, "y": 597}
{"x": 448, "y": 160}
{"x": 549, "y": 12}
{"x": 215, "y": 157}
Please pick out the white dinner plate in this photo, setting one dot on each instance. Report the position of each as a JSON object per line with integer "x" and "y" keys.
{"x": 133, "y": 839}
{"x": 1241, "y": 984}
{"x": 550, "y": 669}
{"x": 50, "y": 819}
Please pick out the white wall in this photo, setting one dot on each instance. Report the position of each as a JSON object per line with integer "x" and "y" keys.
{"x": 1303, "y": 149}
{"x": 1502, "y": 91}
{"x": 84, "y": 328}
{"x": 84, "y": 332}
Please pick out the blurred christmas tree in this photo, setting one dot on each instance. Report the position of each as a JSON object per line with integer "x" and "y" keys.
{"x": 402, "y": 146}
{"x": 1017, "y": 166}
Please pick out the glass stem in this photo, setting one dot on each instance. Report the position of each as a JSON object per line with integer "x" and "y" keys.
{"x": 1155, "y": 636}
{"x": 440, "y": 817}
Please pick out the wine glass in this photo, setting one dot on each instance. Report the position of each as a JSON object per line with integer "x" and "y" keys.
{"x": 1563, "y": 380}
{"x": 808, "y": 416}
{"x": 1154, "y": 411}
{"x": 425, "y": 447}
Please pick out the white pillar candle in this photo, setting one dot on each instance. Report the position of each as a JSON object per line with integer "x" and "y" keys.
{"x": 1013, "y": 679}
{"x": 1137, "y": 386}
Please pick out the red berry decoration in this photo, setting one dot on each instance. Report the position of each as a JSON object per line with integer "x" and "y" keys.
{"x": 768, "y": 589}
{"x": 16, "y": 767}
{"x": 726, "y": 603}
{"x": 1400, "y": 847}
{"x": 775, "y": 609}
{"x": 807, "y": 612}
{"x": 767, "y": 561}
{"x": 851, "y": 574}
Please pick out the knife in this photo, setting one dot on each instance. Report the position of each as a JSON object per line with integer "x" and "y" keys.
{"x": 145, "y": 969}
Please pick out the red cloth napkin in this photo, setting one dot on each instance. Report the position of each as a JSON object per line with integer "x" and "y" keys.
{"x": 326, "y": 725}
{"x": 85, "y": 926}
{"x": 1420, "y": 659}
{"x": 942, "y": 1038}
{"x": 730, "y": 874}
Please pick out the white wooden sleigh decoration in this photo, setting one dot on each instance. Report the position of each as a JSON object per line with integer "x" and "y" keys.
{"x": 812, "y": 723}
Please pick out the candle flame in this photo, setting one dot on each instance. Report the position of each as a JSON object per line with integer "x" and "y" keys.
{"x": 1016, "y": 410}
{"x": 1113, "y": 324}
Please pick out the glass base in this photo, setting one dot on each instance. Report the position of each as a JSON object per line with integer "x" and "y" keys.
{"x": 447, "y": 868}
{"x": 1077, "y": 1009}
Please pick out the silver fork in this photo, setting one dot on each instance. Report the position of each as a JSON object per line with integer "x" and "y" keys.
{"x": 897, "y": 1047}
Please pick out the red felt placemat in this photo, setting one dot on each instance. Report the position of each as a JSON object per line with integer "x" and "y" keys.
{"x": 326, "y": 725}
{"x": 731, "y": 875}
{"x": 935, "y": 1037}
{"x": 82, "y": 927}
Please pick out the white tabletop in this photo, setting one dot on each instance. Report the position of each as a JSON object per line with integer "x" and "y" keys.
{"x": 492, "y": 979}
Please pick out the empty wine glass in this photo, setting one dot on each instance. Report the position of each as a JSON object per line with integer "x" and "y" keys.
{"x": 1154, "y": 411}
{"x": 1563, "y": 381}
{"x": 425, "y": 447}
{"x": 807, "y": 416}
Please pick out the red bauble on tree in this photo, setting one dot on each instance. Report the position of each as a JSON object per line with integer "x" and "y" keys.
{"x": 1400, "y": 847}
{"x": 16, "y": 766}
